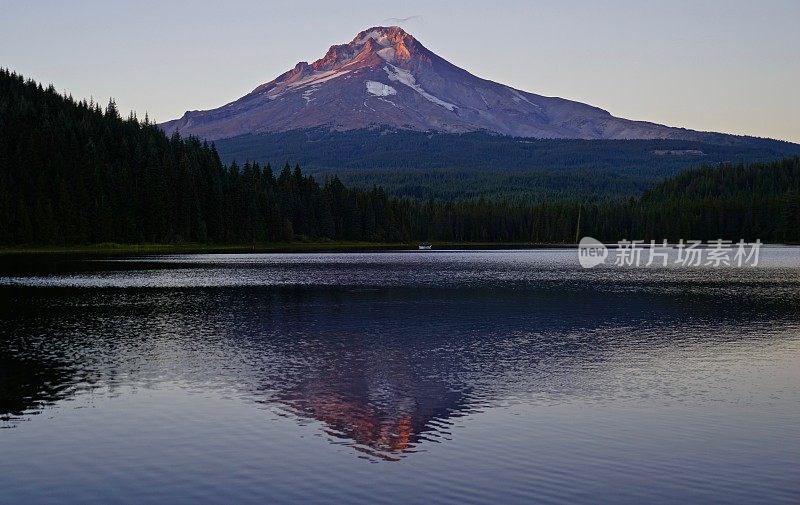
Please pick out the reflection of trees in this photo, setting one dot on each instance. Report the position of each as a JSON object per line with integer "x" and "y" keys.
{"x": 27, "y": 385}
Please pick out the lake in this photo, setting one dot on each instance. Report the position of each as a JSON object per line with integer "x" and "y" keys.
{"x": 418, "y": 377}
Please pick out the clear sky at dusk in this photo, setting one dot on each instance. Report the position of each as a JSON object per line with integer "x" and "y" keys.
{"x": 730, "y": 66}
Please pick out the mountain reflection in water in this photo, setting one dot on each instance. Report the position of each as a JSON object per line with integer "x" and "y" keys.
{"x": 388, "y": 368}
{"x": 379, "y": 368}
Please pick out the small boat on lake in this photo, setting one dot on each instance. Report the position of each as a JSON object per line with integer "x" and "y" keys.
{"x": 424, "y": 246}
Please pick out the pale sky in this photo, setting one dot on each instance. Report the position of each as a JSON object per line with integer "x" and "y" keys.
{"x": 721, "y": 65}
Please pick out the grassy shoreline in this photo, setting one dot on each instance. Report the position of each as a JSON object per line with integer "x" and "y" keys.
{"x": 277, "y": 247}
{"x": 113, "y": 248}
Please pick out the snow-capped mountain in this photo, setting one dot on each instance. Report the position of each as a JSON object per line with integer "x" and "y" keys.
{"x": 385, "y": 77}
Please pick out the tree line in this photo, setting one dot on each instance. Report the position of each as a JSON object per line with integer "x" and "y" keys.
{"x": 72, "y": 172}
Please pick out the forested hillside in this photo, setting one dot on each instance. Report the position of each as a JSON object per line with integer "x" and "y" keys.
{"x": 758, "y": 200}
{"x": 73, "y": 173}
{"x": 471, "y": 166}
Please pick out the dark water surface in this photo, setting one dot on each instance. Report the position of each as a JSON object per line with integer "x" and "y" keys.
{"x": 441, "y": 377}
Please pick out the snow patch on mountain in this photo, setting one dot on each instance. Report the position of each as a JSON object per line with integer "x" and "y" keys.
{"x": 405, "y": 77}
{"x": 518, "y": 97}
{"x": 380, "y": 89}
{"x": 317, "y": 78}
{"x": 379, "y": 36}
{"x": 307, "y": 94}
{"x": 387, "y": 54}
{"x": 374, "y": 34}
{"x": 387, "y": 101}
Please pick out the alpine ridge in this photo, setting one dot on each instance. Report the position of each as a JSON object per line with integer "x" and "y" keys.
{"x": 386, "y": 78}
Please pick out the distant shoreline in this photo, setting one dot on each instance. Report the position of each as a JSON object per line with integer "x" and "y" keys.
{"x": 281, "y": 247}
{"x": 278, "y": 247}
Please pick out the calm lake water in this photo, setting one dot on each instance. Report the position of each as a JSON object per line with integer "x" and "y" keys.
{"x": 420, "y": 377}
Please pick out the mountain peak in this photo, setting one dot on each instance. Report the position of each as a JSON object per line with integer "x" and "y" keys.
{"x": 378, "y": 44}
{"x": 384, "y": 77}
{"x": 384, "y": 34}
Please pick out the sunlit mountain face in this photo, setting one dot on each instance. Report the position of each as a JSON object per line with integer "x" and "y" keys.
{"x": 385, "y": 77}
